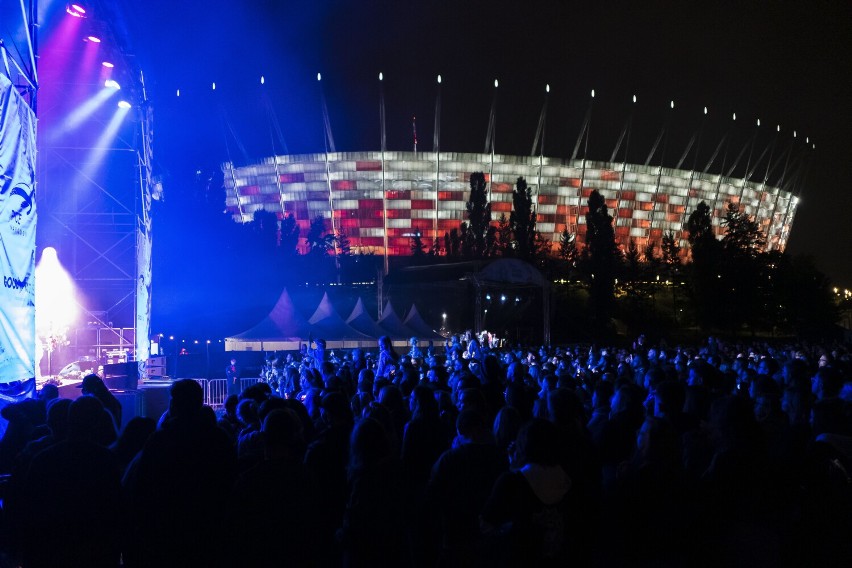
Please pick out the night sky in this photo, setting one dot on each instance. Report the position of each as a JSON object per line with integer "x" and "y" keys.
{"x": 785, "y": 63}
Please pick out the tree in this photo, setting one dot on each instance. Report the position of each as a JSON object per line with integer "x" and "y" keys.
{"x": 743, "y": 237}
{"x": 649, "y": 256}
{"x": 452, "y": 243}
{"x": 522, "y": 221}
{"x": 706, "y": 287}
{"x": 504, "y": 243}
{"x": 289, "y": 239}
{"x": 417, "y": 246}
{"x": 699, "y": 230}
{"x": 319, "y": 243}
{"x": 475, "y": 231}
{"x": 435, "y": 249}
{"x": 743, "y": 272}
{"x": 602, "y": 255}
{"x": 264, "y": 225}
{"x": 568, "y": 246}
{"x": 671, "y": 254}
{"x": 344, "y": 247}
{"x": 632, "y": 262}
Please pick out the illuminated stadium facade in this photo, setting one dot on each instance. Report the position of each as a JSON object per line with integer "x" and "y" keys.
{"x": 380, "y": 200}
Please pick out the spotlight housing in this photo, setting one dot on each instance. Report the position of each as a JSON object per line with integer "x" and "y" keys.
{"x": 94, "y": 39}
{"x": 124, "y": 104}
{"x": 112, "y": 84}
{"x": 75, "y": 10}
{"x": 108, "y": 65}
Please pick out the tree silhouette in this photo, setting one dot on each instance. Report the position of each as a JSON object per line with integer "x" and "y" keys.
{"x": 504, "y": 243}
{"x": 707, "y": 288}
{"x": 522, "y": 221}
{"x": 452, "y": 243}
{"x": 344, "y": 247}
{"x": 632, "y": 262}
{"x": 602, "y": 255}
{"x": 671, "y": 254}
{"x": 289, "y": 239}
{"x": 475, "y": 231}
{"x": 417, "y": 246}
{"x": 319, "y": 243}
{"x": 568, "y": 246}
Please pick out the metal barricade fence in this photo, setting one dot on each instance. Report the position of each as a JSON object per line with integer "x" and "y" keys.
{"x": 217, "y": 392}
{"x": 246, "y": 383}
{"x": 203, "y": 383}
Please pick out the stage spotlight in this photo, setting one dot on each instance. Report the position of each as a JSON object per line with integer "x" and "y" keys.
{"x": 94, "y": 39}
{"x": 112, "y": 84}
{"x": 75, "y": 10}
{"x": 124, "y": 104}
{"x": 107, "y": 64}
{"x": 56, "y": 308}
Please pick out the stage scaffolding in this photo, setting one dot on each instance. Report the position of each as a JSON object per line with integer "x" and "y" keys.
{"x": 96, "y": 214}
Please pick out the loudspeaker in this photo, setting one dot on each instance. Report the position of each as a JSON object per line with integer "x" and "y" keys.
{"x": 122, "y": 376}
{"x": 131, "y": 405}
{"x": 155, "y": 398}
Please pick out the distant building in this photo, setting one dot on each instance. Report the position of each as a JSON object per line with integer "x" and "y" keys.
{"x": 382, "y": 199}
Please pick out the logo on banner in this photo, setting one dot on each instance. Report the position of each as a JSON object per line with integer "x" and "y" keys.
{"x": 25, "y": 207}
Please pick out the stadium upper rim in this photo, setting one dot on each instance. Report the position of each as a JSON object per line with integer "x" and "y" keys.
{"x": 382, "y": 198}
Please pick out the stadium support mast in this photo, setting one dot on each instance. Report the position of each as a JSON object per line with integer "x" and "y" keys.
{"x": 787, "y": 155}
{"x": 539, "y": 136}
{"x": 328, "y": 141}
{"x": 697, "y": 137}
{"x": 436, "y": 147}
{"x": 624, "y": 133}
{"x": 490, "y": 137}
{"x": 384, "y": 194}
{"x": 660, "y": 167}
{"x": 587, "y": 125}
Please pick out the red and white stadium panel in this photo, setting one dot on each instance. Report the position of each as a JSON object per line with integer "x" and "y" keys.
{"x": 374, "y": 196}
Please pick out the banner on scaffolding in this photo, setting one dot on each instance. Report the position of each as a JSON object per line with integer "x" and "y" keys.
{"x": 17, "y": 235}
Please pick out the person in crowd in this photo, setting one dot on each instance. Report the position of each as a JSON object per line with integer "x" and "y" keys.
{"x": 175, "y": 486}
{"x": 93, "y": 385}
{"x": 132, "y": 439}
{"x": 274, "y": 517}
{"x": 326, "y": 460}
{"x": 74, "y": 485}
{"x": 232, "y": 375}
{"x": 373, "y": 530}
{"x": 459, "y": 485}
{"x": 524, "y": 517}
{"x": 388, "y": 358}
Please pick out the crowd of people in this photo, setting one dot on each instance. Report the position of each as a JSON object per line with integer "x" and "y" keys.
{"x": 465, "y": 454}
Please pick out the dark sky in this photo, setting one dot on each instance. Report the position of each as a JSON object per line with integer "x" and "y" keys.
{"x": 785, "y": 63}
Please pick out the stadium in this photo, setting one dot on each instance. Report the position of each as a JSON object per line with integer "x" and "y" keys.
{"x": 381, "y": 199}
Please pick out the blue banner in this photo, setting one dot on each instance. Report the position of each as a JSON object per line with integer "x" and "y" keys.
{"x": 17, "y": 236}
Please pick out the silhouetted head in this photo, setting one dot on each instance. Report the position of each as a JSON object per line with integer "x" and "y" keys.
{"x": 187, "y": 398}
{"x": 85, "y": 418}
{"x": 538, "y": 443}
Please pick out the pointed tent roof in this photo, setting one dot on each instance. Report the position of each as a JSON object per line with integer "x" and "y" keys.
{"x": 360, "y": 320}
{"x": 393, "y": 326}
{"x": 327, "y": 323}
{"x": 415, "y": 323}
{"x": 284, "y": 323}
